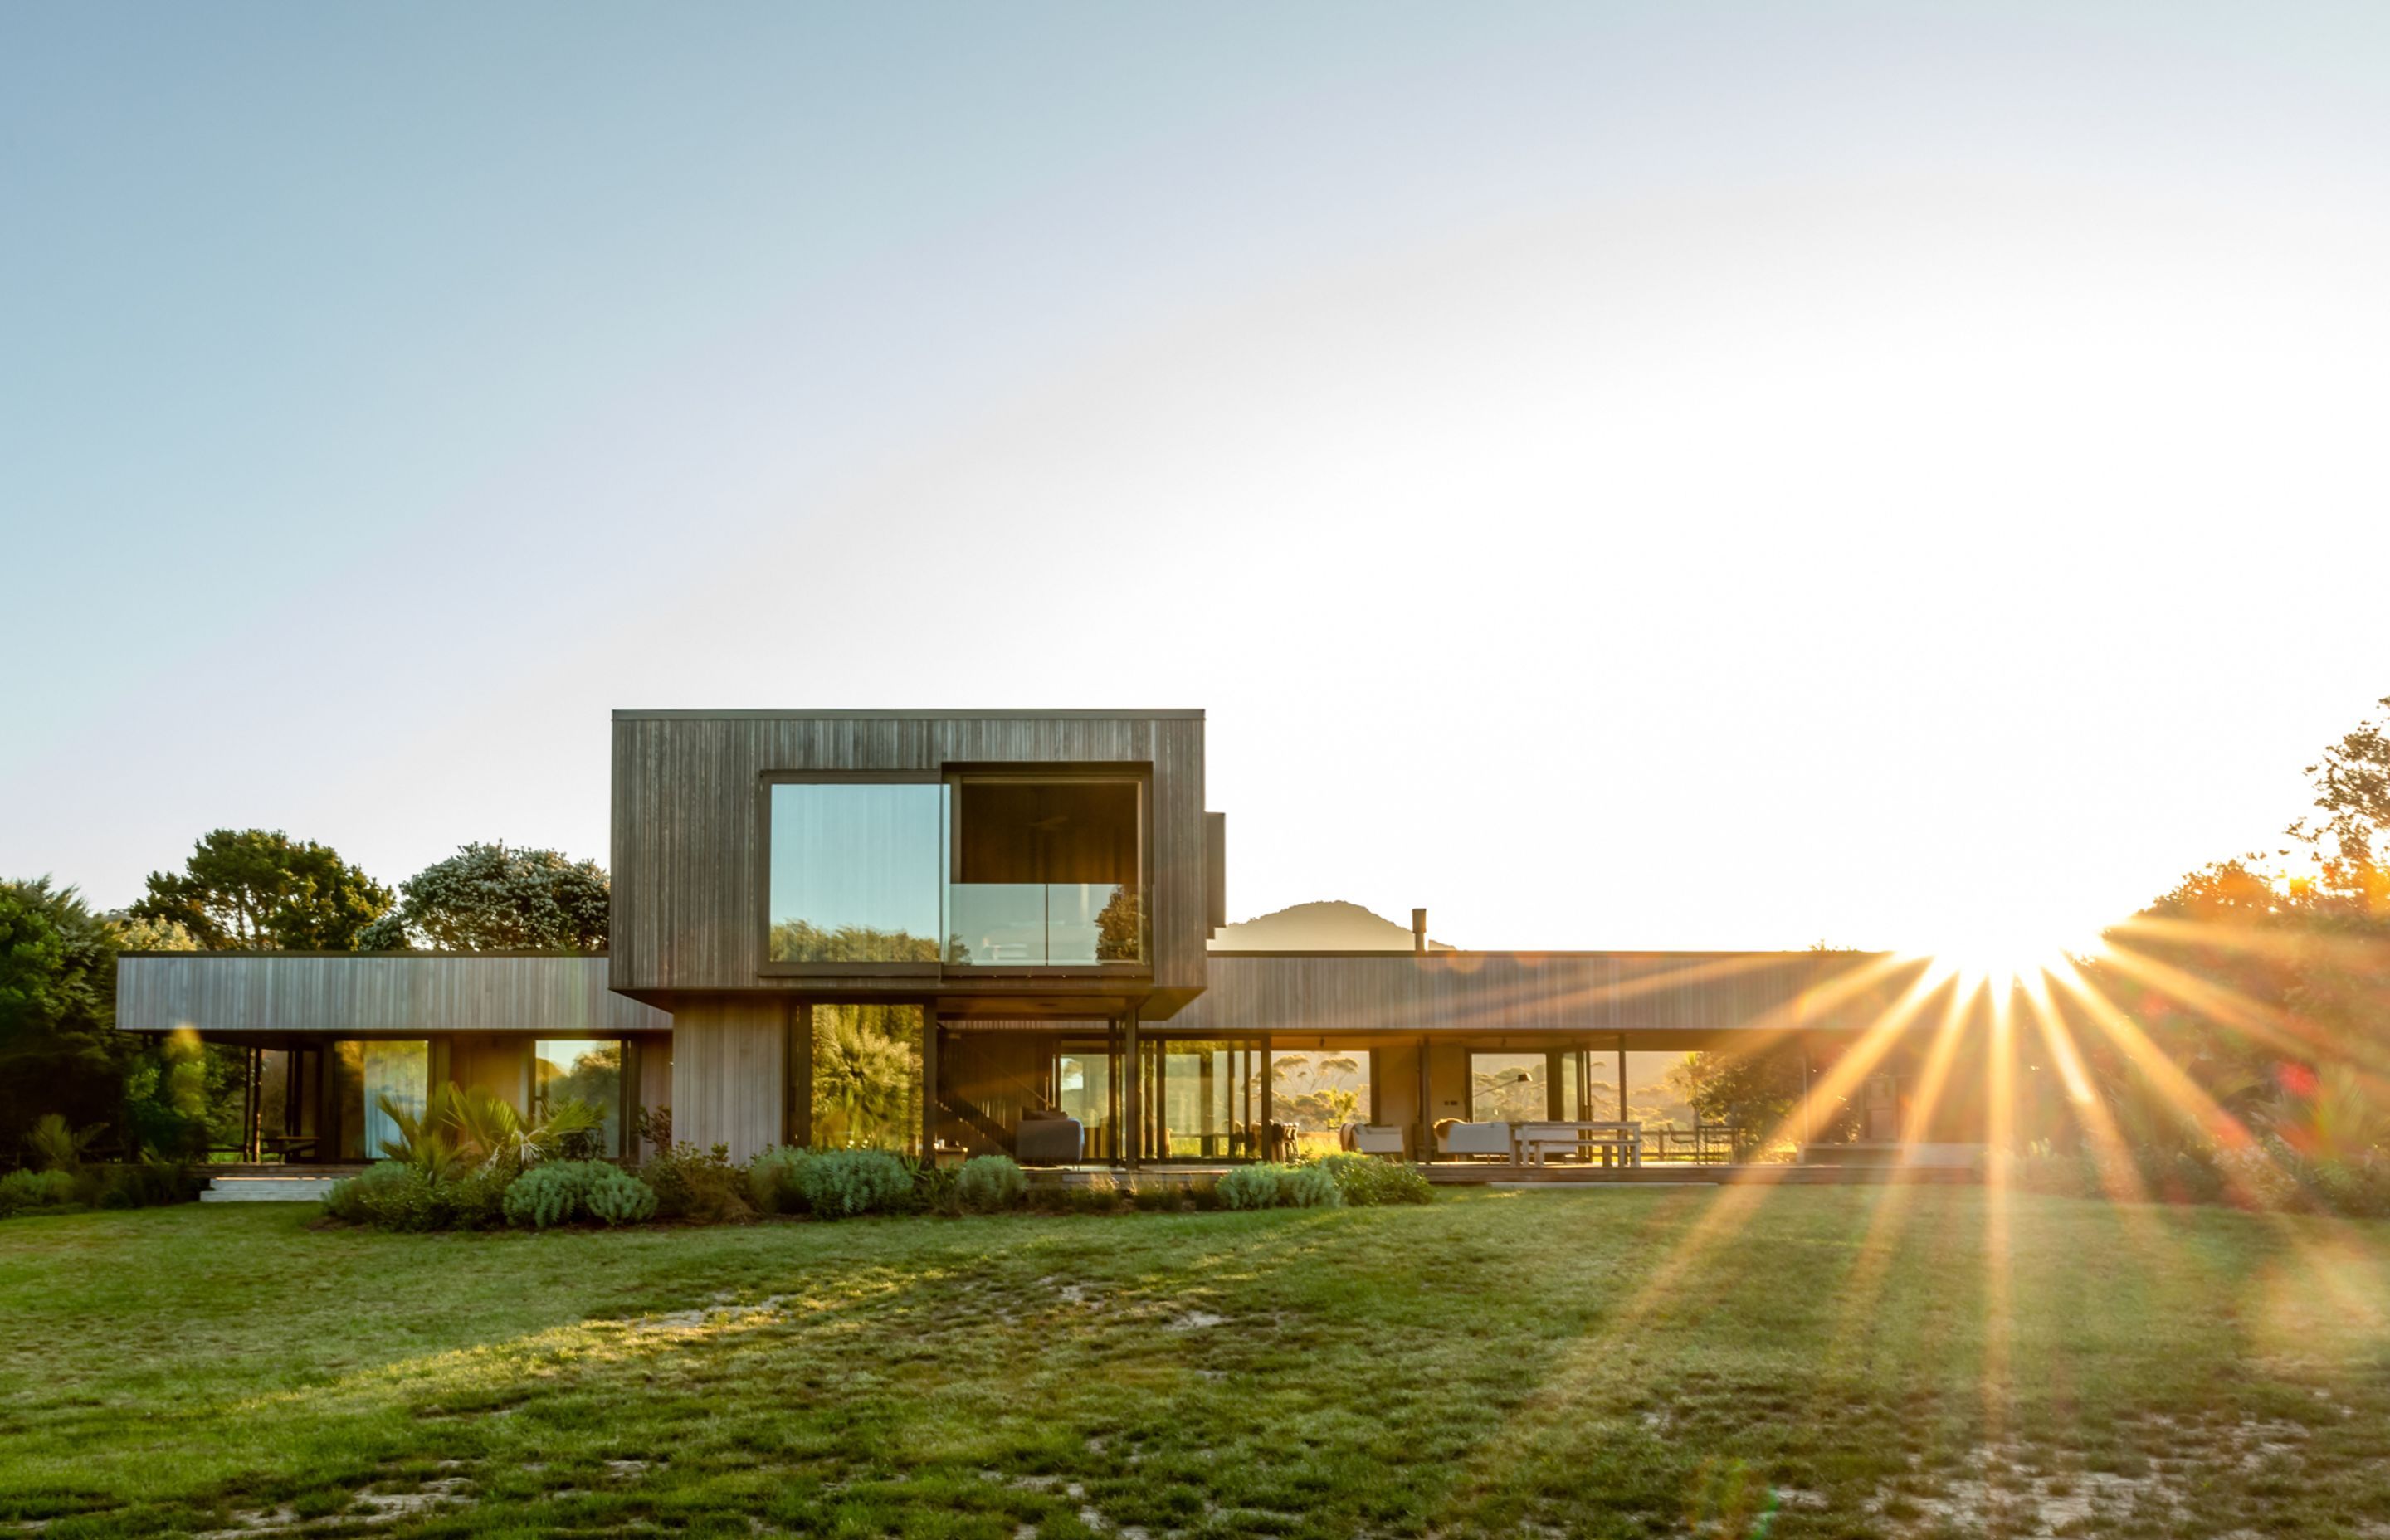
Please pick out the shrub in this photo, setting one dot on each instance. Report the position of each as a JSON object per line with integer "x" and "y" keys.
{"x": 937, "y": 1189}
{"x": 554, "y": 1192}
{"x": 1099, "y": 1194}
{"x": 1156, "y": 1197}
{"x": 389, "y": 1193}
{"x": 476, "y": 1201}
{"x": 694, "y": 1183}
{"x": 35, "y": 1189}
{"x": 772, "y": 1180}
{"x": 1270, "y": 1185}
{"x": 988, "y": 1183}
{"x": 150, "y": 1183}
{"x": 1366, "y": 1181}
{"x": 1308, "y": 1187}
{"x": 616, "y": 1196}
{"x": 1203, "y": 1193}
{"x": 1254, "y": 1187}
{"x": 837, "y": 1183}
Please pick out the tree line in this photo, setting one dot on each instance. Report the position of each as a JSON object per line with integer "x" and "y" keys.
{"x": 239, "y": 891}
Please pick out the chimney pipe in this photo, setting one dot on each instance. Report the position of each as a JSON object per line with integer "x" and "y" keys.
{"x": 1419, "y": 929}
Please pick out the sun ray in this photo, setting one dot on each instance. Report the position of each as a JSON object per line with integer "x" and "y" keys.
{"x": 2277, "y": 1029}
{"x": 1738, "y": 1200}
{"x": 1890, "y": 1221}
{"x": 2000, "y": 1133}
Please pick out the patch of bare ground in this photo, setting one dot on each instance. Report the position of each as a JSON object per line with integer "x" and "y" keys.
{"x": 384, "y": 1503}
{"x": 2015, "y": 1488}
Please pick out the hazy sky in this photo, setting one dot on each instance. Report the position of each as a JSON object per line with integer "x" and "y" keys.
{"x": 1670, "y": 475}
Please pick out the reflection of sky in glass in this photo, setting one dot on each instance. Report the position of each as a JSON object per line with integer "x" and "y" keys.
{"x": 859, "y": 856}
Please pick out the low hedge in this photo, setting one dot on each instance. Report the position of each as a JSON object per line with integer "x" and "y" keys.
{"x": 131, "y": 1185}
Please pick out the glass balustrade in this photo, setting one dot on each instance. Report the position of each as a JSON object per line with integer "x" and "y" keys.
{"x": 1044, "y": 924}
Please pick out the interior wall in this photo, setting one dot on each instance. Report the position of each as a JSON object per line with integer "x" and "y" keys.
{"x": 1447, "y": 1080}
{"x": 729, "y": 1068}
{"x": 1393, "y": 1084}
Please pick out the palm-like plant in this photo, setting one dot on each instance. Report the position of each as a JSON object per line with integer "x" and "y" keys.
{"x": 55, "y": 1146}
{"x": 461, "y": 1131}
{"x": 420, "y": 1143}
{"x": 488, "y": 1128}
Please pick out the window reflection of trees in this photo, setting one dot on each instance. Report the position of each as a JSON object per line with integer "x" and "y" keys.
{"x": 867, "y": 1076}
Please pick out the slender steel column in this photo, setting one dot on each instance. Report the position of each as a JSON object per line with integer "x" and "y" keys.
{"x": 1135, "y": 1109}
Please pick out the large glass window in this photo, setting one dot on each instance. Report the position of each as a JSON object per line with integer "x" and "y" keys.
{"x": 581, "y": 1070}
{"x": 1203, "y": 1101}
{"x": 377, "y": 1079}
{"x": 1317, "y": 1092}
{"x": 867, "y": 1077}
{"x": 1046, "y": 873}
{"x": 857, "y": 871}
{"x": 1083, "y": 1089}
{"x": 1517, "y": 1087}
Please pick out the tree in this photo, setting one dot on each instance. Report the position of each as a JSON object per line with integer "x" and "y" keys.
{"x": 252, "y": 889}
{"x": 60, "y": 1051}
{"x": 2352, "y": 783}
{"x": 491, "y": 898}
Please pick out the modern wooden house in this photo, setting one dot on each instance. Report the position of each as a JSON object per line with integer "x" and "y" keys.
{"x": 1009, "y": 912}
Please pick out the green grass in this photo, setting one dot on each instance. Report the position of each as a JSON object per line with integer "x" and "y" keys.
{"x": 1803, "y": 1362}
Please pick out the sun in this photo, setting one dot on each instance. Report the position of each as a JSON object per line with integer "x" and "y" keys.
{"x": 2004, "y": 951}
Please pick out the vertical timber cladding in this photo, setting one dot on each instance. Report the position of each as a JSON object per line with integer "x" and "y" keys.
{"x": 730, "y": 1072}
{"x": 688, "y": 853}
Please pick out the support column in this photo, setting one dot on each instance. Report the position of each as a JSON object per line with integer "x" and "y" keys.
{"x": 1426, "y": 1111}
{"x": 1134, "y": 1151}
{"x": 1555, "y": 1095}
{"x": 797, "y": 1122}
{"x": 1269, "y": 1151}
{"x": 253, "y": 1107}
{"x": 928, "y": 1086}
{"x": 1621, "y": 1077}
{"x": 1116, "y": 1093}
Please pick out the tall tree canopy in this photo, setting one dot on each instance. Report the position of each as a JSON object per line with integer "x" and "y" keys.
{"x": 60, "y": 1051}
{"x": 254, "y": 889}
{"x": 491, "y": 898}
{"x": 2352, "y": 784}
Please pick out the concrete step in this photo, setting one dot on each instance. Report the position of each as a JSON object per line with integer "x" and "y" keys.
{"x": 266, "y": 1189}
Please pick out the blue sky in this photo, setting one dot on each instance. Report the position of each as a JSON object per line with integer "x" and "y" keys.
{"x": 1694, "y": 475}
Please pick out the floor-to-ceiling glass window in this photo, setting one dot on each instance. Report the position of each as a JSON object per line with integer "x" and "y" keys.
{"x": 1202, "y": 1099}
{"x": 858, "y": 872}
{"x": 1507, "y": 1087}
{"x": 1317, "y": 1091}
{"x": 1084, "y": 1090}
{"x": 378, "y": 1081}
{"x": 867, "y": 1077}
{"x": 579, "y": 1068}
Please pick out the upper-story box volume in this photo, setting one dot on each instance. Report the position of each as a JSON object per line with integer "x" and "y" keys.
{"x": 1038, "y": 861}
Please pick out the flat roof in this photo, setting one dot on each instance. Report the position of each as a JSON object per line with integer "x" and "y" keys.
{"x": 702, "y": 714}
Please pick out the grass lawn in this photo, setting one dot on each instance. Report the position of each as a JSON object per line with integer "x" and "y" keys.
{"x": 1801, "y": 1362}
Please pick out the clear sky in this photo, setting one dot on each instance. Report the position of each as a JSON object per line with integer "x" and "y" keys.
{"x": 1690, "y": 475}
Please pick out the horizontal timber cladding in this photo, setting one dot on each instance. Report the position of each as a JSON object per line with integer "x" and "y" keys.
{"x": 370, "y": 993}
{"x": 1659, "y": 993}
{"x": 690, "y": 862}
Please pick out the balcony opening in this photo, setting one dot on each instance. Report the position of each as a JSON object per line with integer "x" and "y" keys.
{"x": 1047, "y": 872}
